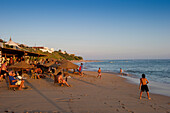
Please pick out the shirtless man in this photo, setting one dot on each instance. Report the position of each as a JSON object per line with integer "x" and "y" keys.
{"x": 143, "y": 86}
{"x": 3, "y": 70}
{"x": 61, "y": 80}
{"x": 38, "y": 72}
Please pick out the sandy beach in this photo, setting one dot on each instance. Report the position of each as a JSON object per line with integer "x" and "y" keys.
{"x": 88, "y": 94}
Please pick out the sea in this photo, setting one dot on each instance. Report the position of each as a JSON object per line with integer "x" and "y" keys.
{"x": 157, "y": 71}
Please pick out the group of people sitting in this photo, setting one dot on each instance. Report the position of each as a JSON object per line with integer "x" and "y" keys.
{"x": 37, "y": 71}
{"x": 15, "y": 79}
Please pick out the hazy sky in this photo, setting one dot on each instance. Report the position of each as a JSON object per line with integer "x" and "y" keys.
{"x": 94, "y": 29}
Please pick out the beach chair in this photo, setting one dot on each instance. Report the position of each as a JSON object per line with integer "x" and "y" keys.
{"x": 55, "y": 79}
{"x": 9, "y": 85}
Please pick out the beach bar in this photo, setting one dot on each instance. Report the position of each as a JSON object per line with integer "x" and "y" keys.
{"x": 11, "y": 52}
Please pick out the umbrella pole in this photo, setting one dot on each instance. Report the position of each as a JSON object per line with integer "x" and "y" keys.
{"x": 22, "y": 72}
{"x": 63, "y": 72}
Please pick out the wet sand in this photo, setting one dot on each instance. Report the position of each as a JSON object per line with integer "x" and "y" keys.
{"x": 111, "y": 94}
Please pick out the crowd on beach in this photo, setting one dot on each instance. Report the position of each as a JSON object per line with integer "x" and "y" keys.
{"x": 38, "y": 70}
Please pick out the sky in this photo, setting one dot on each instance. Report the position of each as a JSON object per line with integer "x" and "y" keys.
{"x": 93, "y": 29}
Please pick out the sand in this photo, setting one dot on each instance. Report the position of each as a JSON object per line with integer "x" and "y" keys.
{"x": 88, "y": 94}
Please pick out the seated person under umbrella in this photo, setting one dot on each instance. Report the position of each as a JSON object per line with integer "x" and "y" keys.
{"x": 15, "y": 81}
{"x": 39, "y": 74}
{"x": 61, "y": 80}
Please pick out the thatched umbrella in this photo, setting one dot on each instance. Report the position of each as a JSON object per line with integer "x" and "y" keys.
{"x": 48, "y": 64}
{"x": 54, "y": 65}
{"x": 68, "y": 65}
{"x": 21, "y": 65}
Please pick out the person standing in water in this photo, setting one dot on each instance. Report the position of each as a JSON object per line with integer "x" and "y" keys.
{"x": 143, "y": 86}
{"x": 121, "y": 71}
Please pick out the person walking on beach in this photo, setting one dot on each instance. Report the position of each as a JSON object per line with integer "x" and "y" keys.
{"x": 99, "y": 73}
{"x": 81, "y": 70}
{"x": 143, "y": 86}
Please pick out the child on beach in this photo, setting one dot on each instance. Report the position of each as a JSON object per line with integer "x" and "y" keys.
{"x": 143, "y": 86}
{"x": 99, "y": 73}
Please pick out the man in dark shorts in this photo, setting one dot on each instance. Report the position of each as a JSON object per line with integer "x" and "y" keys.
{"x": 143, "y": 86}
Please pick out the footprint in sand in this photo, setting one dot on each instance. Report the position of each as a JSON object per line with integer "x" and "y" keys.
{"x": 117, "y": 110}
{"x": 152, "y": 107}
{"x": 123, "y": 106}
{"x": 142, "y": 103}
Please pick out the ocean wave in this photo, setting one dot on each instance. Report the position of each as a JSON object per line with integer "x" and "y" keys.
{"x": 133, "y": 71}
{"x": 154, "y": 69}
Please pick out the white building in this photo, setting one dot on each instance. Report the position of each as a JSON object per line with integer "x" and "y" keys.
{"x": 46, "y": 49}
{"x": 12, "y": 44}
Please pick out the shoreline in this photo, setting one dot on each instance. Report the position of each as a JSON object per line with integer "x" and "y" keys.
{"x": 155, "y": 87}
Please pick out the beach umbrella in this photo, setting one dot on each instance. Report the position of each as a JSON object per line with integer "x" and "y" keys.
{"x": 48, "y": 64}
{"x": 21, "y": 65}
{"x": 68, "y": 65}
{"x": 54, "y": 65}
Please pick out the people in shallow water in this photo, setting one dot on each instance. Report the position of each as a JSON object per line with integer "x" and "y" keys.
{"x": 143, "y": 86}
{"x": 121, "y": 71}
